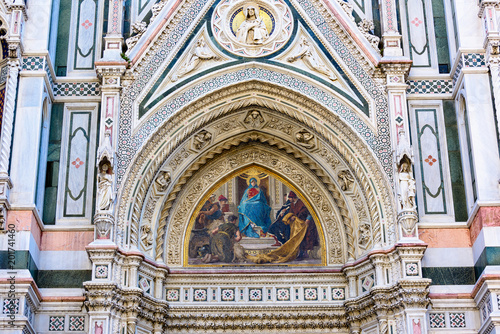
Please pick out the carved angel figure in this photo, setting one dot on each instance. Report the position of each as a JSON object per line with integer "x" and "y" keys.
{"x": 345, "y": 180}
{"x": 105, "y": 195}
{"x": 305, "y": 139}
{"x": 146, "y": 235}
{"x": 254, "y": 119}
{"x": 162, "y": 181}
{"x": 201, "y": 139}
{"x": 406, "y": 187}
{"x": 253, "y": 30}
{"x": 138, "y": 28}
{"x": 308, "y": 56}
{"x": 200, "y": 52}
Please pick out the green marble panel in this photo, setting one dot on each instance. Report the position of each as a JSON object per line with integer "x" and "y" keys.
{"x": 490, "y": 256}
{"x": 450, "y": 275}
{"x": 61, "y": 59}
{"x": 63, "y": 278}
{"x": 455, "y": 160}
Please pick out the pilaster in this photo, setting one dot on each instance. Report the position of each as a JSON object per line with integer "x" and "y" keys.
{"x": 113, "y": 41}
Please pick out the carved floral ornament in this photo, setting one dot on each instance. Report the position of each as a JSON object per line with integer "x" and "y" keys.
{"x": 252, "y": 29}
{"x": 134, "y": 190}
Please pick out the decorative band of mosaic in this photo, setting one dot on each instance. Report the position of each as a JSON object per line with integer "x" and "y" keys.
{"x": 256, "y": 294}
{"x": 440, "y": 86}
{"x": 76, "y": 89}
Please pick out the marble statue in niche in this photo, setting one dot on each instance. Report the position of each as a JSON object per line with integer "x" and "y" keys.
{"x": 406, "y": 186}
{"x": 105, "y": 192}
{"x": 253, "y": 30}
{"x": 250, "y": 227}
{"x": 311, "y": 59}
{"x": 200, "y": 52}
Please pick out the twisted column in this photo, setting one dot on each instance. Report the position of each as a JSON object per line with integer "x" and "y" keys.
{"x": 8, "y": 117}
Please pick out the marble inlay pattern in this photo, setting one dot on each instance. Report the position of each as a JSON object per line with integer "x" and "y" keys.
{"x": 302, "y": 294}
{"x": 76, "y": 89}
{"x": 442, "y": 86}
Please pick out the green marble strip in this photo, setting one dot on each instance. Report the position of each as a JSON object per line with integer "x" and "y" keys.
{"x": 450, "y": 275}
{"x": 63, "y": 278}
{"x": 490, "y": 256}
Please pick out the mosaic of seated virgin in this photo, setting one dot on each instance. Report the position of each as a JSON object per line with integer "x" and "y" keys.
{"x": 254, "y": 218}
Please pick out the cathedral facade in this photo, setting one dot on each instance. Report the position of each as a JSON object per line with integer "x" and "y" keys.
{"x": 237, "y": 166}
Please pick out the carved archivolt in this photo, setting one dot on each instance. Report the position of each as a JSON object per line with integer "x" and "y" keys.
{"x": 164, "y": 145}
{"x": 271, "y": 159}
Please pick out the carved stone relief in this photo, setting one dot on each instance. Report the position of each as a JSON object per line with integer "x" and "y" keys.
{"x": 254, "y": 119}
{"x": 305, "y": 139}
{"x": 201, "y": 139}
{"x": 252, "y": 29}
{"x": 346, "y": 180}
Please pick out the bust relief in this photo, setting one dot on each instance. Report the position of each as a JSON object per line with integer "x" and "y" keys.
{"x": 252, "y": 29}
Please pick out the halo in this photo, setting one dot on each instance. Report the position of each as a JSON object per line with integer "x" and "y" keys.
{"x": 253, "y": 173}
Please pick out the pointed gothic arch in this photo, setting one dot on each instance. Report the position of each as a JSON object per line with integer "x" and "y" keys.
{"x": 170, "y": 150}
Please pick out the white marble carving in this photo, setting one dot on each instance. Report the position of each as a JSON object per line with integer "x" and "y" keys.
{"x": 200, "y": 52}
{"x": 252, "y": 29}
{"x": 309, "y": 56}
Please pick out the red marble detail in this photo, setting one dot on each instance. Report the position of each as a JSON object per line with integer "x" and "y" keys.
{"x": 445, "y": 237}
{"x": 416, "y": 22}
{"x": 430, "y": 160}
{"x": 485, "y": 217}
{"x": 77, "y": 163}
{"x": 87, "y": 24}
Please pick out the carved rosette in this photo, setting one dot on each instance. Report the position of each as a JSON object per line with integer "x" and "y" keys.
{"x": 229, "y": 25}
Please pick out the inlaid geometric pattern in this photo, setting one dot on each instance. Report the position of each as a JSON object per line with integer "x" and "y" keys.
{"x": 227, "y": 295}
{"x": 437, "y": 320}
{"x": 73, "y": 89}
{"x": 283, "y": 294}
{"x": 457, "y": 320}
{"x": 255, "y": 295}
{"x": 145, "y": 284}
{"x": 56, "y": 323}
{"x": 474, "y": 60}
{"x": 200, "y": 295}
{"x": 338, "y": 293}
{"x": 10, "y": 306}
{"x": 3, "y": 74}
{"x": 76, "y": 323}
{"x": 173, "y": 295}
{"x": 412, "y": 269}
{"x": 33, "y": 63}
{"x": 367, "y": 283}
{"x": 442, "y": 86}
{"x": 101, "y": 271}
{"x": 311, "y": 293}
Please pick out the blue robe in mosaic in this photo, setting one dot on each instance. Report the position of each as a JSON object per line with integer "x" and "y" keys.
{"x": 254, "y": 209}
